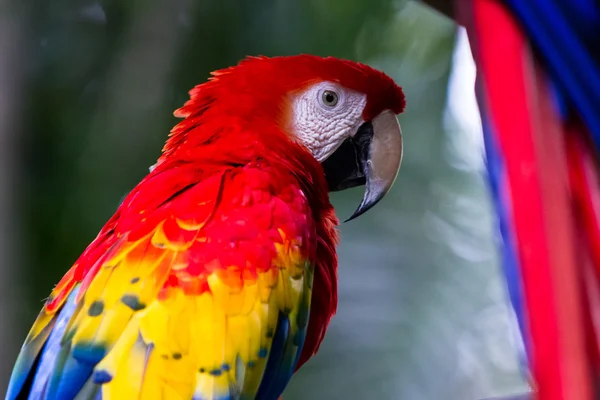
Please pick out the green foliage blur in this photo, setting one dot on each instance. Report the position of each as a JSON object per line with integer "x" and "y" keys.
{"x": 422, "y": 311}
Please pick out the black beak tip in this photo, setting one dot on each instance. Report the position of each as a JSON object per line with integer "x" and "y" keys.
{"x": 359, "y": 211}
{"x": 364, "y": 206}
{"x": 373, "y": 194}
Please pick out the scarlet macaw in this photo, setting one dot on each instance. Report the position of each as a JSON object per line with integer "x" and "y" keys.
{"x": 216, "y": 277}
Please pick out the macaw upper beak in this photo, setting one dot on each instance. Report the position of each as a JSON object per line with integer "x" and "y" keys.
{"x": 371, "y": 157}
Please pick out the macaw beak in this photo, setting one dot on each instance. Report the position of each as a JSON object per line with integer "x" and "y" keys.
{"x": 371, "y": 157}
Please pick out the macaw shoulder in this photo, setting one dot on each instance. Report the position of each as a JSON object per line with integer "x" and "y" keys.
{"x": 242, "y": 219}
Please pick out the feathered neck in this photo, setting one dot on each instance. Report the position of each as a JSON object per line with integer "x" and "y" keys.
{"x": 210, "y": 134}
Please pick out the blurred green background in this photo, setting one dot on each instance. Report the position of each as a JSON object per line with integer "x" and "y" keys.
{"x": 87, "y": 90}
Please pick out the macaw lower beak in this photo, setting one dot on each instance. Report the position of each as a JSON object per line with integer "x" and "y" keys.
{"x": 371, "y": 157}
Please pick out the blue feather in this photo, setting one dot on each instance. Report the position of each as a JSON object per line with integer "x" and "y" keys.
{"x": 278, "y": 372}
{"x": 72, "y": 378}
{"x": 26, "y": 362}
{"x": 53, "y": 351}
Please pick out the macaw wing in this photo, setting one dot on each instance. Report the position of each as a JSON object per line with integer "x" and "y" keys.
{"x": 205, "y": 298}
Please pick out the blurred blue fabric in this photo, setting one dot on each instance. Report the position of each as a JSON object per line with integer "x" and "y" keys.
{"x": 566, "y": 36}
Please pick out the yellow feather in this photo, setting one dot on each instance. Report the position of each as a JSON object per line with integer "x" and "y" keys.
{"x": 41, "y": 322}
{"x": 127, "y": 381}
{"x": 112, "y": 325}
{"x": 190, "y": 225}
{"x": 152, "y": 327}
{"x": 151, "y": 381}
{"x": 117, "y": 363}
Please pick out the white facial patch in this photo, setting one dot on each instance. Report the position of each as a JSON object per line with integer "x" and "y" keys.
{"x": 325, "y": 115}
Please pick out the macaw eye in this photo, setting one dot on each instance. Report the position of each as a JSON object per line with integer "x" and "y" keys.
{"x": 330, "y": 98}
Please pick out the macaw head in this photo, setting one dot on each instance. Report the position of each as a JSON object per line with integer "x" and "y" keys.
{"x": 342, "y": 111}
